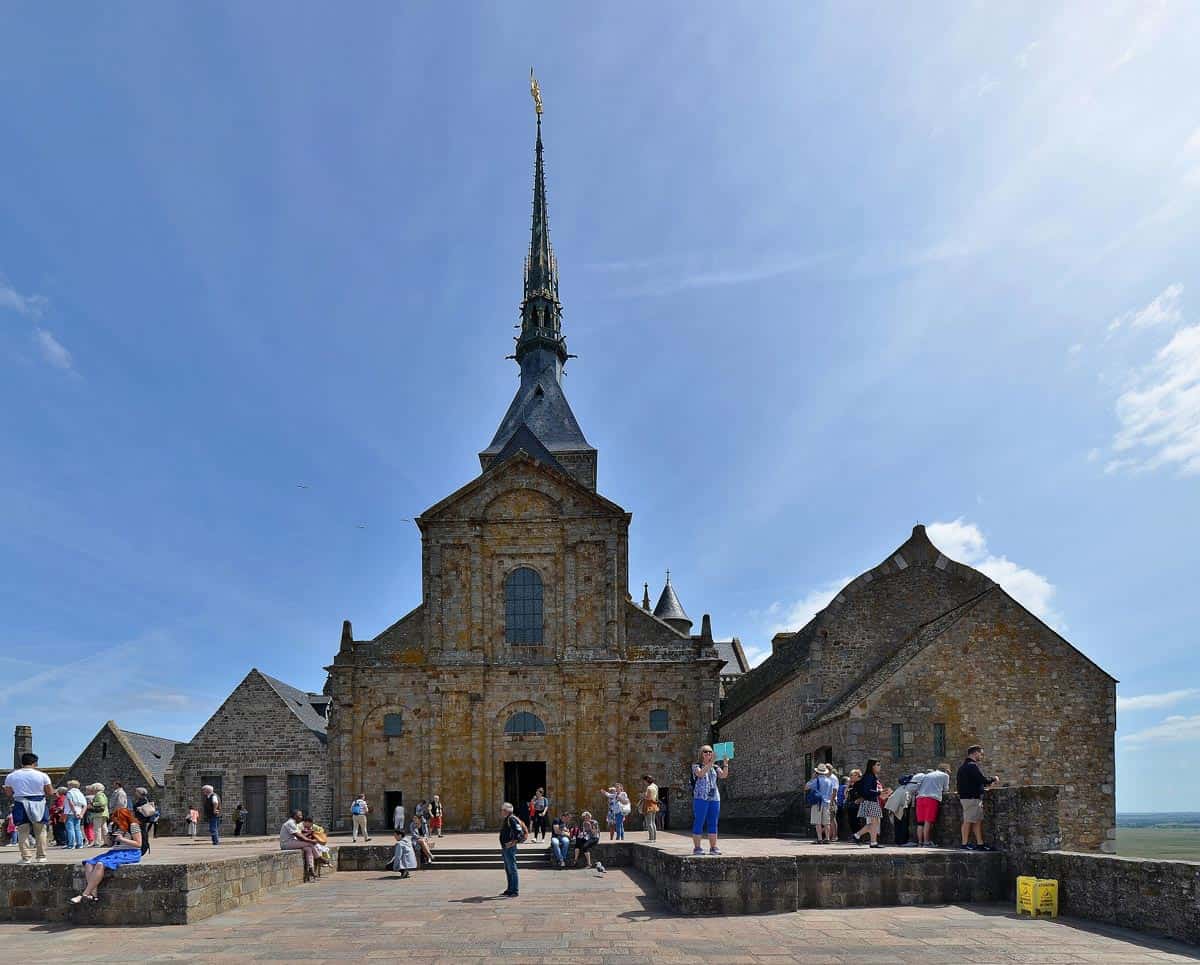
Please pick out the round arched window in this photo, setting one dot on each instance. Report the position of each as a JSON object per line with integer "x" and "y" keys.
{"x": 524, "y": 723}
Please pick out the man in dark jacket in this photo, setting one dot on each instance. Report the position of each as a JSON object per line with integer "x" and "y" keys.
{"x": 971, "y": 785}
{"x": 512, "y": 832}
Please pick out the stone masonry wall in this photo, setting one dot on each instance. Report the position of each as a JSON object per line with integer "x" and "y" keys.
{"x": 106, "y": 760}
{"x": 252, "y": 734}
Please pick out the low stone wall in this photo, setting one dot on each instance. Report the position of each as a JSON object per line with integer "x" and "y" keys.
{"x": 744, "y": 885}
{"x": 166, "y": 894}
{"x": 1157, "y": 897}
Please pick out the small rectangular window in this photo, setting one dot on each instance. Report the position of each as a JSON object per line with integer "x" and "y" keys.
{"x": 897, "y": 741}
{"x": 658, "y": 720}
{"x": 297, "y": 793}
{"x": 939, "y": 741}
{"x": 393, "y": 725}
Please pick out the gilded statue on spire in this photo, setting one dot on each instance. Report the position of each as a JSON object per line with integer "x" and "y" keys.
{"x": 536, "y": 92}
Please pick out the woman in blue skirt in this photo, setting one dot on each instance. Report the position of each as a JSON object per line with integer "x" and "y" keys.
{"x": 127, "y": 849}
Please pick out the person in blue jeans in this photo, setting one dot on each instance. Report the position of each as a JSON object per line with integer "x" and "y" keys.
{"x": 212, "y": 811}
{"x": 706, "y": 799}
{"x": 512, "y": 833}
{"x": 560, "y": 839}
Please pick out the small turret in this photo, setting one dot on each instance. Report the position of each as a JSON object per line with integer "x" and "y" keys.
{"x": 646, "y": 597}
{"x": 670, "y": 610}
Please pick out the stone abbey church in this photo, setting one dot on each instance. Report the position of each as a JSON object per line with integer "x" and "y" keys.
{"x": 527, "y": 663}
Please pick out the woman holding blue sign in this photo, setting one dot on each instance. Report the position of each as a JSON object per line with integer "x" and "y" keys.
{"x": 706, "y": 798}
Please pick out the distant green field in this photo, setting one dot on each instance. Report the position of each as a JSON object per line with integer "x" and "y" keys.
{"x": 1177, "y": 843}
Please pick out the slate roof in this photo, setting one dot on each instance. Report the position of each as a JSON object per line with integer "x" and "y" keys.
{"x": 524, "y": 438}
{"x": 155, "y": 753}
{"x": 541, "y": 405}
{"x": 734, "y": 656}
{"x": 668, "y": 606}
{"x": 300, "y": 703}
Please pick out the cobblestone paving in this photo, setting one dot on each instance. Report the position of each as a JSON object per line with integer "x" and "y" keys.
{"x": 574, "y": 916}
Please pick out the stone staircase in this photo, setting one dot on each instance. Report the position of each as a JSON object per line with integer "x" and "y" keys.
{"x": 374, "y": 857}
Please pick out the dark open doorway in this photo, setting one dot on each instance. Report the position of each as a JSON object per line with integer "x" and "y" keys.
{"x": 391, "y": 800}
{"x": 521, "y": 780}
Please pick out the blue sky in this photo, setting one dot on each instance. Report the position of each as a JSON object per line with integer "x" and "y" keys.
{"x": 829, "y": 271}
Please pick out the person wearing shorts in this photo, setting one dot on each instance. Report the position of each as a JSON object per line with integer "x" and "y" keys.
{"x": 824, "y": 785}
{"x": 971, "y": 785}
{"x": 706, "y": 799}
{"x": 930, "y": 789}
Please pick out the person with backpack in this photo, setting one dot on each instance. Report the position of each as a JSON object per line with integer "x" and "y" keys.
{"x": 819, "y": 794}
{"x": 512, "y": 833}
{"x": 146, "y": 812}
{"x": 358, "y": 817}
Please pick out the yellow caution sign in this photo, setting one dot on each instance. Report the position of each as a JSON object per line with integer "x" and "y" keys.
{"x": 1038, "y": 896}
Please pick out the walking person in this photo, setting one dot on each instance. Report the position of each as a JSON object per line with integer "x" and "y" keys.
{"x": 971, "y": 785}
{"x": 649, "y": 807}
{"x": 29, "y": 788}
{"x": 820, "y": 793}
{"x": 540, "y": 805}
{"x": 212, "y": 812}
{"x": 706, "y": 799}
{"x": 359, "y": 809}
{"x": 512, "y": 833}
{"x": 76, "y": 809}
{"x": 239, "y": 819}
{"x": 933, "y": 785}
{"x": 868, "y": 807}
{"x": 398, "y": 817}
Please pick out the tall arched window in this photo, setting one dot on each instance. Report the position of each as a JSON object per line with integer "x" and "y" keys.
{"x": 523, "y": 722}
{"x": 523, "y": 607}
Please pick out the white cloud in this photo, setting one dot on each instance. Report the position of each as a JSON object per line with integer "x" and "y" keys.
{"x": 964, "y": 541}
{"x": 31, "y": 306}
{"x": 1156, "y": 701}
{"x": 1159, "y": 415}
{"x": 1172, "y": 730}
{"x": 53, "y": 351}
{"x": 1163, "y": 310}
{"x": 793, "y": 616}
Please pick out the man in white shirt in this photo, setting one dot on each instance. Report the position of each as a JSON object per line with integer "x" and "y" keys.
{"x": 120, "y": 798}
{"x": 29, "y": 788}
{"x": 398, "y": 817}
{"x": 933, "y": 785}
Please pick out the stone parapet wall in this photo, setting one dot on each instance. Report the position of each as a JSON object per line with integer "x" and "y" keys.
{"x": 168, "y": 894}
{"x": 1157, "y": 897}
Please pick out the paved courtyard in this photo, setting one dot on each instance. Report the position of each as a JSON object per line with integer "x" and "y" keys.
{"x": 572, "y": 916}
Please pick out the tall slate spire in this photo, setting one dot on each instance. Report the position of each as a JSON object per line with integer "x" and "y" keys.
{"x": 540, "y": 405}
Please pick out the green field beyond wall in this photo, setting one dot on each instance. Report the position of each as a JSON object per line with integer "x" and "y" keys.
{"x": 1173, "y": 836}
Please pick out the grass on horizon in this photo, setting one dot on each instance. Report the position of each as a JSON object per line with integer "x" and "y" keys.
{"x": 1174, "y": 844}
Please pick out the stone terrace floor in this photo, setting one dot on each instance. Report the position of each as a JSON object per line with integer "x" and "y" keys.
{"x": 573, "y": 916}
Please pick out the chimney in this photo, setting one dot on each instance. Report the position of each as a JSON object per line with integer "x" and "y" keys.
{"x": 706, "y": 629}
{"x": 22, "y": 743}
{"x": 347, "y": 636}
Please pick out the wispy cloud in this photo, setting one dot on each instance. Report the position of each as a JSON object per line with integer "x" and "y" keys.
{"x": 1174, "y": 729}
{"x": 1160, "y": 415}
{"x": 792, "y": 616}
{"x": 30, "y": 306}
{"x": 53, "y": 351}
{"x": 964, "y": 541}
{"x": 1163, "y": 310}
{"x": 1156, "y": 701}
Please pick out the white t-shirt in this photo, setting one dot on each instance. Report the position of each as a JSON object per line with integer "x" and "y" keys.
{"x": 289, "y": 831}
{"x": 934, "y": 785}
{"x": 27, "y": 782}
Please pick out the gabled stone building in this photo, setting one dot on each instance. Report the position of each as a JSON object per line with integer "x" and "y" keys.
{"x": 911, "y": 663}
{"x": 526, "y": 663}
{"x": 136, "y": 760}
{"x": 265, "y": 747}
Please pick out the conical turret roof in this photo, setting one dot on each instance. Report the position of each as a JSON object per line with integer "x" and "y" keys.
{"x": 669, "y": 608}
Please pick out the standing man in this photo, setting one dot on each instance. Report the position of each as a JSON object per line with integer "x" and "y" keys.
{"x": 933, "y": 785}
{"x": 512, "y": 833}
{"x": 398, "y": 818}
{"x": 823, "y": 787}
{"x": 435, "y": 816}
{"x": 971, "y": 785}
{"x": 649, "y": 807}
{"x": 212, "y": 812}
{"x": 120, "y": 798}
{"x": 358, "y": 817}
{"x": 28, "y": 787}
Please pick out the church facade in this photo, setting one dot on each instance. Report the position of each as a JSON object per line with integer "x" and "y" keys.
{"x": 526, "y": 663}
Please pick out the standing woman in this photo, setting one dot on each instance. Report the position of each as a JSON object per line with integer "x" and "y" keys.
{"x": 868, "y": 808}
{"x": 539, "y": 805}
{"x": 706, "y": 799}
{"x": 98, "y": 816}
{"x": 126, "y": 849}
